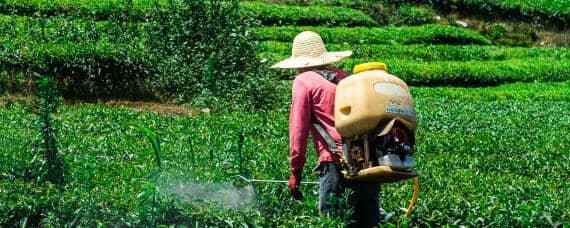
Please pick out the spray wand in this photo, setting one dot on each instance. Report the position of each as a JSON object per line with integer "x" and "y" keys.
{"x": 271, "y": 181}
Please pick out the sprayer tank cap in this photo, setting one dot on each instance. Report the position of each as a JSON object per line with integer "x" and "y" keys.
{"x": 369, "y": 66}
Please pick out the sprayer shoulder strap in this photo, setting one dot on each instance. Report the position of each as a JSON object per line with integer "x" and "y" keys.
{"x": 329, "y": 75}
{"x": 326, "y": 136}
{"x": 332, "y": 77}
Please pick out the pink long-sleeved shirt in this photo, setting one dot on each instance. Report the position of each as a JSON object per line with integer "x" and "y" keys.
{"x": 313, "y": 96}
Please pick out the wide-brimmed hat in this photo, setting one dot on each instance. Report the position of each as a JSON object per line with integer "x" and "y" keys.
{"x": 309, "y": 51}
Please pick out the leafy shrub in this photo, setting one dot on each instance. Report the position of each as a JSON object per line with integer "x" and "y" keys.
{"x": 85, "y": 71}
{"x": 87, "y": 60}
{"x": 468, "y": 73}
{"x": 205, "y": 49}
{"x": 278, "y": 14}
{"x": 139, "y": 9}
{"x": 18, "y": 29}
{"x": 183, "y": 51}
{"x": 54, "y": 166}
{"x": 510, "y": 35}
{"x": 539, "y": 12}
{"x": 427, "y": 34}
{"x": 14, "y": 82}
{"x": 477, "y": 73}
{"x": 486, "y": 175}
{"x": 534, "y": 11}
{"x": 383, "y": 12}
{"x": 99, "y": 10}
{"x": 414, "y": 15}
{"x": 274, "y": 51}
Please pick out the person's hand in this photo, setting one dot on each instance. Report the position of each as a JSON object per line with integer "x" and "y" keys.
{"x": 294, "y": 182}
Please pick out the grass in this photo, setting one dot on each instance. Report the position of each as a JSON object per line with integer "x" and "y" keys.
{"x": 480, "y": 163}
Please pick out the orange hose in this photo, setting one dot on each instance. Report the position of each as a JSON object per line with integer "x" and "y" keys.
{"x": 414, "y": 197}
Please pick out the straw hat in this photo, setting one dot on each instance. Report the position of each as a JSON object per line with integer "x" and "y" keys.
{"x": 309, "y": 51}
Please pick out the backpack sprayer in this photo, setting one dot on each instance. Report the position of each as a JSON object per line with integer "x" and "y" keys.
{"x": 375, "y": 115}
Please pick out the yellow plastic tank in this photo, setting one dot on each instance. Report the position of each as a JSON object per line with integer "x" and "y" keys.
{"x": 372, "y": 98}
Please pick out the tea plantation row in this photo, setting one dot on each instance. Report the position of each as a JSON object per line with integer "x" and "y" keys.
{"x": 422, "y": 52}
{"x": 431, "y": 34}
{"x": 481, "y": 165}
{"x": 538, "y": 11}
{"x": 532, "y": 11}
{"x": 138, "y": 9}
{"x": 468, "y": 73}
{"x": 61, "y": 29}
{"x": 557, "y": 11}
{"x": 104, "y": 54}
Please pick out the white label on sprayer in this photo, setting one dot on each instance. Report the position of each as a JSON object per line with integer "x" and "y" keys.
{"x": 390, "y": 89}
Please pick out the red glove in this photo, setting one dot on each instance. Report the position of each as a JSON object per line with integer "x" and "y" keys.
{"x": 294, "y": 182}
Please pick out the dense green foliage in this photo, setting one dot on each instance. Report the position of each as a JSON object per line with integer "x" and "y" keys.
{"x": 278, "y": 14}
{"x": 471, "y": 73}
{"x": 488, "y": 156}
{"x": 138, "y": 10}
{"x": 377, "y": 13}
{"x": 414, "y": 15}
{"x": 267, "y": 13}
{"x": 540, "y": 12}
{"x": 537, "y": 11}
{"x": 468, "y": 73}
{"x": 480, "y": 164}
{"x": 174, "y": 56}
{"x": 118, "y": 69}
{"x": 509, "y": 35}
{"x": 86, "y": 63}
{"x": 101, "y": 10}
{"x": 53, "y": 169}
{"x": 428, "y": 34}
{"x": 280, "y": 50}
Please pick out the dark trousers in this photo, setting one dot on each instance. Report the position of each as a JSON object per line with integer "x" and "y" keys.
{"x": 363, "y": 200}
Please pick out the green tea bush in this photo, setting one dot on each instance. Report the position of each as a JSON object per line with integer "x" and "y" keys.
{"x": 555, "y": 12}
{"x": 275, "y": 51}
{"x": 468, "y": 73}
{"x": 540, "y": 12}
{"x": 384, "y": 13}
{"x": 19, "y": 29}
{"x": 85, "y": 58}
{"x": 426, "y": 34}
{"x": 414, "y": 15}
{"x": 343, "y": 3}
{"x": 510, "y": 35}
{"x": 138, "y": 10}
{"x": 99, "y": 10}
{"x": 479, "y": 164}
{"x": 279, "y": 14}
{"x": 54, "y": 170}
{"x": 15, "y": 82}
{"x": 83, "y": 70}
{"x": 184, "y": 50}
{"x": 205, "y": 49}
{"x": 476, "y": 73}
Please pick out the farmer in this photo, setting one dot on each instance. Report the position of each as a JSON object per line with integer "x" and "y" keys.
{"x": 313, "y": 102}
